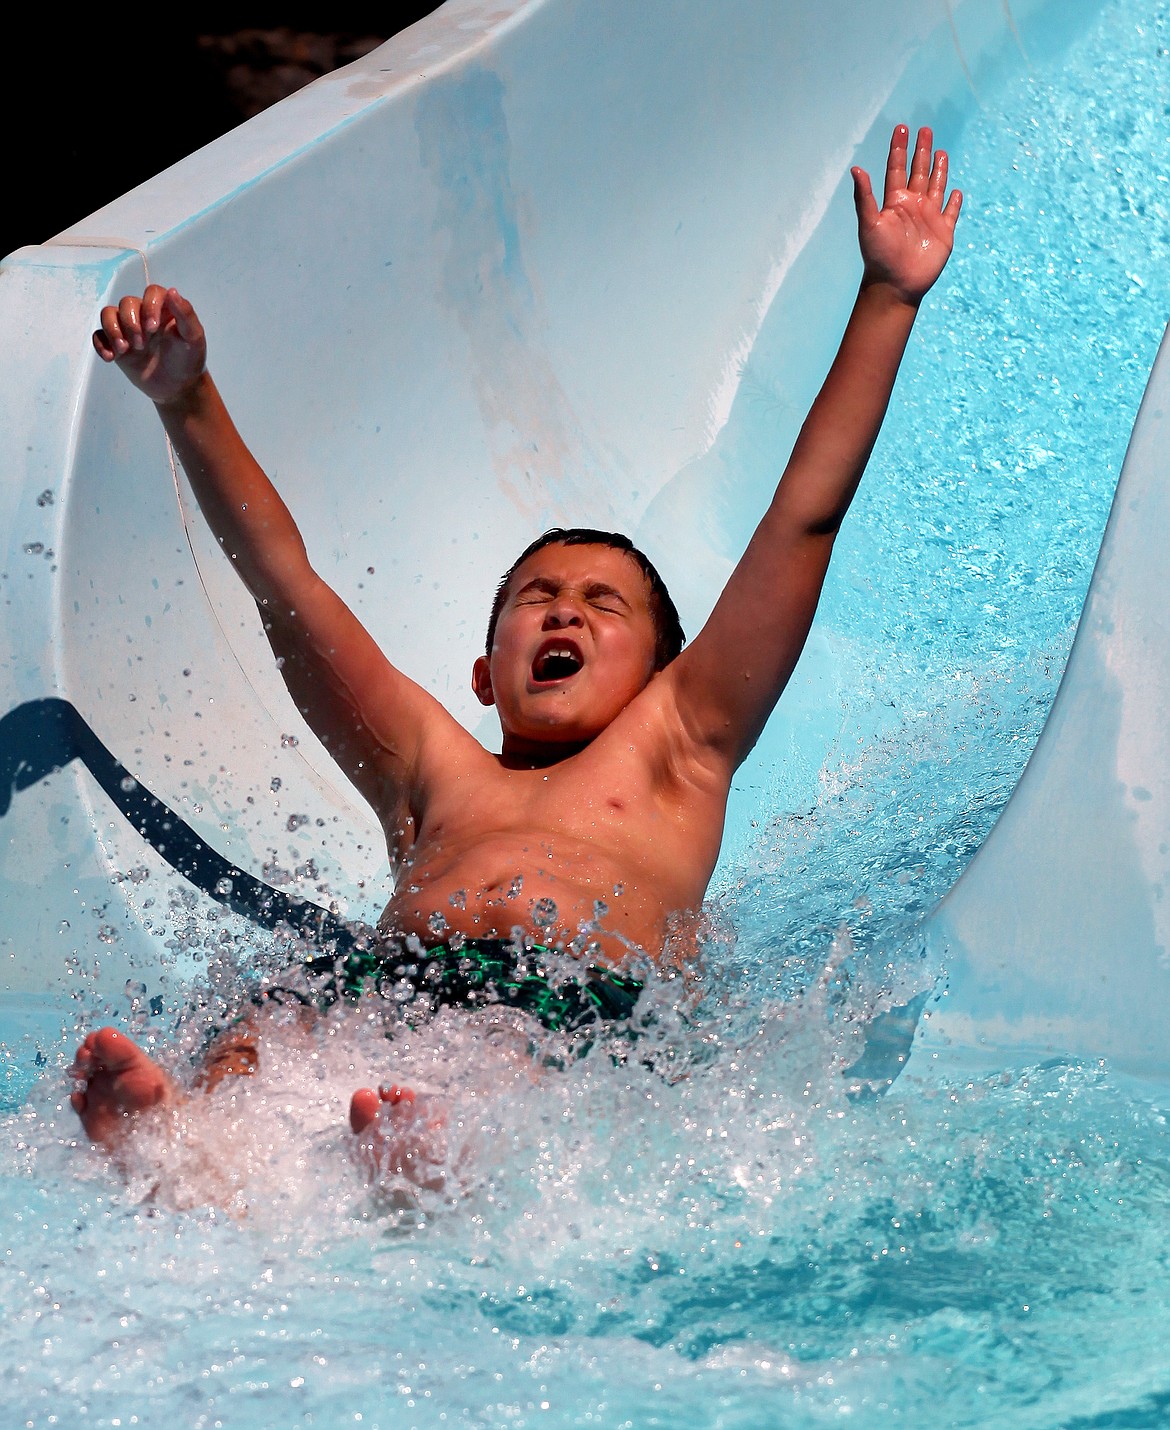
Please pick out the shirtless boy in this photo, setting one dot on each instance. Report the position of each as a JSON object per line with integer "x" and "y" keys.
{"x": 618, "y": 748}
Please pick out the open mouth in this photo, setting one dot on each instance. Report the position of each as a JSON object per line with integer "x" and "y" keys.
{"x": 556, "y": 662}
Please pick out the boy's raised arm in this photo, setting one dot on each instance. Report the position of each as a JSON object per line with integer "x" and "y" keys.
{"x": 368, "y": 714}
{"x": 727, "y": 681}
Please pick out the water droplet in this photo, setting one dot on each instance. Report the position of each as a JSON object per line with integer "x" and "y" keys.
{"x": 515, "y": 887}
{"x": 289, "y": 742}
{"x": 437, "y": 924}
{"x": 544, "y": 913}
{"x": 46, "y": 497}
{"x": 223, "y": 887}
{"x": 600, "y": 909}
{"x": 275, "y": 783}
{"x": 458, "y": 899}
{"x": 128, "y": 784}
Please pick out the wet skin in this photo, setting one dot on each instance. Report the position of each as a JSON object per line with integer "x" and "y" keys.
{"x": 612, "y": 780}
{"x": 592, "y": 798}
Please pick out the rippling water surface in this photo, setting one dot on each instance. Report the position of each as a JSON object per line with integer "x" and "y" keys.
{"x": 721, "y": 1228}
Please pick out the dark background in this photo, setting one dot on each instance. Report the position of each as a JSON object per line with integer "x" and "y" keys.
{"x": 112, "y": 102}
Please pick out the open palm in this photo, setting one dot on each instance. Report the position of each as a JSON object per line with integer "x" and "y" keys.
{"x": 906, "y": 243}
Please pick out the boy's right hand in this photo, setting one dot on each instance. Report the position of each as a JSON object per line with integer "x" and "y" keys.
{"x": 157, "y": 341}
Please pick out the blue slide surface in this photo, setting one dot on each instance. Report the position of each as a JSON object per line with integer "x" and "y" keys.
{"x": 466, "y": 288}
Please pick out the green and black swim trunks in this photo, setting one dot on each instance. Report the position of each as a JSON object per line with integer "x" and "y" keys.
{"x": 479, "y": 973}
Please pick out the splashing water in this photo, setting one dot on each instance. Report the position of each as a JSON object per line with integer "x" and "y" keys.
{"x": 710, "y": 1227}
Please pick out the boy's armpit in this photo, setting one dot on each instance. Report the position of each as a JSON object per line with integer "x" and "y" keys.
{"x": 342, "y": 682}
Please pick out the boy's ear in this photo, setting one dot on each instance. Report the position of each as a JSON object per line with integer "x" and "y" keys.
{"x": 481, "y": 681}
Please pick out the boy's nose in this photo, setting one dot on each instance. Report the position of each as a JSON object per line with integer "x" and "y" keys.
{"x": 563, "y": 612}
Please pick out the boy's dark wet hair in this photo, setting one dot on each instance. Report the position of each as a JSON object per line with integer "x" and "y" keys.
{"x": 668, "y": 629}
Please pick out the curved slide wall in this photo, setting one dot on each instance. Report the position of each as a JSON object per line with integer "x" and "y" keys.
{"x": 1056, "y": 939}
{"x": 505, "y": 271}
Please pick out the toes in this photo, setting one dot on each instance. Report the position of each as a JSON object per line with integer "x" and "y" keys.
{"x": 84, "y": 1060}
{"x": 395, "y": 1094}
{"x": 115, "y": 1050}
{"x": 105, "y": 1050}
{"x": 363, "y": 1108}
{"x": 365, "y": 1104}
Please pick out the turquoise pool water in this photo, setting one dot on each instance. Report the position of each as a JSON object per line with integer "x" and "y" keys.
{"x": 751, "y": 1243}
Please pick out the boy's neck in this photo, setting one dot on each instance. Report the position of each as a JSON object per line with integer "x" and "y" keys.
{"x": 518, "y": 754}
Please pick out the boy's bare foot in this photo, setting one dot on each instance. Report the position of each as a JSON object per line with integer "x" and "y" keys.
{"x": 118, "y": 1080}
{"x": 400, "y": 1133}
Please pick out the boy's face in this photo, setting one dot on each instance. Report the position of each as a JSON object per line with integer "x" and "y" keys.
{"x": 574, "y": 644}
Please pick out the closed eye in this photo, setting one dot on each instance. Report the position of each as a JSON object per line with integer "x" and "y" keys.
{"x": 540, "y": 590}
{"x": 606, "y": 598}
{"x": 535, "y": 593}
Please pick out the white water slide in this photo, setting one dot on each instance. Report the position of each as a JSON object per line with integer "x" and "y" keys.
{"x": 503, "y": 273}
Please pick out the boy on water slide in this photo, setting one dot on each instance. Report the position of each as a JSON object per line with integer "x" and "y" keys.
{"x": 606, "y": 803}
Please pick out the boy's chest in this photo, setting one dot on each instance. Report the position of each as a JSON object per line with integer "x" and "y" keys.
{"x": 608, "y": 798}
{"x": 581, "y": 800}
{"x": 582, "y": 824}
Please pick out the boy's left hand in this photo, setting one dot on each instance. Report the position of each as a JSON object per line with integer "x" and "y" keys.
{"x": 906, "y": 243}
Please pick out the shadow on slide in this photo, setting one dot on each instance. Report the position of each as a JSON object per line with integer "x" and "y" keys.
{"x": 41, "y": 737}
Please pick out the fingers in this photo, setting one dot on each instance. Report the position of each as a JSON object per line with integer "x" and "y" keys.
{"x": 927, "y": 173}
{"x": 920, "y": 165}
{"x": 151, "y": 308}
{"x": 863, "y": 199}
{"x": 138, "y": 317}
{"x": 102, "y": 347}
{"x": 121, "y": 326}
{"x": 109, "y": 340}
{"x": 128, "y": 326}
{"x": 190, "y": 329}
{"x": 936, "y": 184}
{"x": 896, "y": 163}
